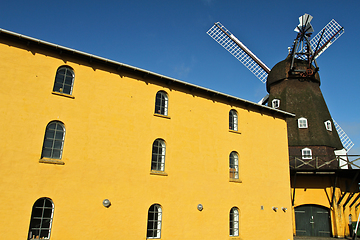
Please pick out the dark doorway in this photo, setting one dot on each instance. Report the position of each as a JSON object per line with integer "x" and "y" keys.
{"x": 312, "y": 220}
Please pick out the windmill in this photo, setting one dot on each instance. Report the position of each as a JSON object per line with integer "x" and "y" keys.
{"x": 303, "y": 49}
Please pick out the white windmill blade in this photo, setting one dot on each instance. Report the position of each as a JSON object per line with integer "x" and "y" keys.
{"x": 264, "y": 100}
{"x": 233, "y": 45}
{"x": 345, "y": 140}
{"x": 327, "y": 36}
{"x": 305, "y": 24}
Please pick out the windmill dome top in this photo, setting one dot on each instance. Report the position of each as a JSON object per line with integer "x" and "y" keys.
{"x": 281, "y": 72}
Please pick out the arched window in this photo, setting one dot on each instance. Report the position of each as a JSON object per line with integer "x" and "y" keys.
{"x": 41, "y": 219}
{"x": 233, "y": 120}
{"x": 158, "y": 155}
{"x": 53, "y": 140}
{"x": 161, "y": 103}
{"x": 64, "y": 80}
{"x": 154, "y": 221}
{"x": 234, "y": 222}
{"x": 234, "y": 165}
{"x": 306, "y": 153}
{"x": 302, "y": 123}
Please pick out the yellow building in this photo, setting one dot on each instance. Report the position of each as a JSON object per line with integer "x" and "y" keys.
{"x": 96, "y": 149}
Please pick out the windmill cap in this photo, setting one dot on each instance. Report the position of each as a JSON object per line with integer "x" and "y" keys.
{"x": 281, "y": 71}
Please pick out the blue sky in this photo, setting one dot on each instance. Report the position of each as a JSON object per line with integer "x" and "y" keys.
{"x": 169, "y": 38}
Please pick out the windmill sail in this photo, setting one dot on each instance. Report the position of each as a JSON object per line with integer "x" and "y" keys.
{"x": 345, "y": 140}
{"x": 327, "y": 36}
{"x": 233, "y": 45}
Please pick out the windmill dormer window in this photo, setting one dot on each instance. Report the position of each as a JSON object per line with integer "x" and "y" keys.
{"x": 275, "y": 103}
{"x": 328, "y": 125}
{"x": 306, "y": 153}
{"x": 302, "y": 123}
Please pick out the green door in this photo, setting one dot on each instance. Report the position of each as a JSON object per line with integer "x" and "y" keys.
{"x": 312, "y": 220}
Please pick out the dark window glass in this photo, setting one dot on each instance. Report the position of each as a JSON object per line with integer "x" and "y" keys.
{"x": 64, "y": 80}
{"x": 41, "y": 219}
{"x": 53, "y": 141}
{"x": 234, "y": 222}
{"x": 161, "y": 103}
{"x": 233, "y": 120}
{"x": 154, "y": 221}
{"x": 234, "y": 165}
{"x": 158, "y": 155}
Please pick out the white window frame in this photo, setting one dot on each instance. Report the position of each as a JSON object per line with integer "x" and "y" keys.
{"x": 306, "y": 153}
{"x": 233, "y": 120}
{"x": 302, "y": 123}
{"x": 275, "y": 103}
{"x": 328, "y": 125}
{"x": 234, "y": 222}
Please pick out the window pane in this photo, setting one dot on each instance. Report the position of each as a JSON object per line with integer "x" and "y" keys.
{"x": 56, "y": 154}
{"x": 68, "y": 80}
{"x": 46, "y": 153}
{"x": 33, "y": 233}
{"x": 59, "y": 135}
{"x": 45, "y": 224}
{"x": 44, "y": 234}
{"x": 58, "y": 145}
{"x": 59, "y": 127}
{"x": 49, "y": 134}
{"x": 59, "y": 79}
{"x": 61, "y": 71}
{"x": 37, "y": 212}
{"x": 57, "y": 87}
{"x": 48, "y": 143}
{"x": 47, "y": 212}
{"x": 48, "y": 204}
{"x": 67, "y": 89}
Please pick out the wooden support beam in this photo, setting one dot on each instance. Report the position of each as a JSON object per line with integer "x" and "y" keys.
{"x": 357, "y": 197}
{"x": 348, "y": 187}
{"x": 348, "y": 199}
{"x": 333, "y": 194}
{"x": 294, "y": 186}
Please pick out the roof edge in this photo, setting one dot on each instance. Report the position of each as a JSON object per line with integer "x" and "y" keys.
{"x": 101, "y": 59}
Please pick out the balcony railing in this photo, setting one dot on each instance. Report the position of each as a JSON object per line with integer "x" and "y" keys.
{"x": 325, "y": 162}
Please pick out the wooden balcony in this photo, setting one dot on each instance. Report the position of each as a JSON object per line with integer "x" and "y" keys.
{"x": 325, "y": 162}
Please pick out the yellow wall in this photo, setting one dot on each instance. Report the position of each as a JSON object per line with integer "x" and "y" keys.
{"x": 110, "y": 128}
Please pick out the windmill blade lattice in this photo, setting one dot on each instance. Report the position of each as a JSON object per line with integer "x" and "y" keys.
{"x": 345, "y": 140}
{"x": 332, "y": 31}
{"x": 226, "y": 39}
